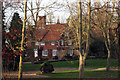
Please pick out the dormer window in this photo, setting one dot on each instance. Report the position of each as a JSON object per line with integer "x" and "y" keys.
{"x": 42, "y": 43}
{"x": 52, "y": 43}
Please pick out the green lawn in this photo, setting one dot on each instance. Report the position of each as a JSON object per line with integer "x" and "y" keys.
{"x": 87, "y": 74}
{"x": 91, "y": 63}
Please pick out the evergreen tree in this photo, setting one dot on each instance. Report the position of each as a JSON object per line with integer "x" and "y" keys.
{"x": 15, "y": 38}
{"x": 15, "y": 30}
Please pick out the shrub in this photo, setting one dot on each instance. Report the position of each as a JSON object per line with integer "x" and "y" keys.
{"x": 98, "y": 49}
{"x": 46, "y": 67}
{"x": 55, "y": 58}
{"x": 67, "y": 57}
{"x": 76, "y": 57}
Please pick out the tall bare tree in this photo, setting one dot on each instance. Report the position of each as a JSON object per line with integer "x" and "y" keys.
{"x": 103, "y": 17}
{"x": 79, "y": 27}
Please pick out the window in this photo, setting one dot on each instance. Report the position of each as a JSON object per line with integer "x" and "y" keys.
{"x": 39, "y": 27}
{"x": 45, "y": 53}
{"x": 52, "y": 43}
{"x": 70, "y": 42}
{"x": 37, "y": 43}
{"x": 42, "y": 43}
{"x": 62, "y": 42}
{"x": 26, "y": 54}
{"x": 54, "y": 52}
{"x": 66, "y": 33}
{"x": 35, "y": 52}
{"x": 83, "y": 52}
{"x": 70, "y": 52}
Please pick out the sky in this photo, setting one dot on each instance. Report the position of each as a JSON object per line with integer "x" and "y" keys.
{"x": 62, "y": 13}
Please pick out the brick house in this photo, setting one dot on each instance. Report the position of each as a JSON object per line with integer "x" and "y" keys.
{"x": 49, "y": 39}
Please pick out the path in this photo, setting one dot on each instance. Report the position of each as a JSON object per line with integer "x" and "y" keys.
{"x": 32, "y": 74}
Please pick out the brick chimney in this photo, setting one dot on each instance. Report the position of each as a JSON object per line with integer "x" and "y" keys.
{"x": 41, "y": 22}
{"x": 58, "y": 21}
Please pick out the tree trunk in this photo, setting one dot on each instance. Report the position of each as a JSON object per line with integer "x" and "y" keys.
{"x": 32, "y": 53}
{"x": 109, "y": 51}
{"x": 107, "y": 44}
{"x": 108, "y": 58}
{"x": 119, "y": 52}
{"x": 81, "y": 67}
{"x": 88, "y": 28}
{"x": 20, "y": 68}
{"x": 14, "y": 64}
{"x": 108, "y": 61}
{"x": 81, "y": 63}
{"x": 119, "y": 39}
{"x": 24, "y": 24}
{"x": 118, "y": 58}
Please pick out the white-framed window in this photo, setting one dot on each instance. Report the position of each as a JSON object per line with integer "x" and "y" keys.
{"x": 26, "y": 54}
{"x": 35, "y": 52}
{"x": 54, "y": 52}
{"x": 70, "y": 42}
{"x": 42, "y": 43}
{"x": 52, "y": 43}
{"x": 44, "y": 52}
{"x": 62, "y": 42}
{"x": 70, "y": 52}
{"x": 37, "y": 43}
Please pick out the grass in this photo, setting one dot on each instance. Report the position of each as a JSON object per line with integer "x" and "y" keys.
{"x": 87, "y": 74}
{"x": 90, "y": 63}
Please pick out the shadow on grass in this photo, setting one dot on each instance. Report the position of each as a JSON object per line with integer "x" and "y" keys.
{"x": 65, "y": 73}
{"x": 87, "y": 74}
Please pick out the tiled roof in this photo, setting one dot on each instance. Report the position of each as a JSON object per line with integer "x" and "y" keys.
{"x": 50, "y": 33}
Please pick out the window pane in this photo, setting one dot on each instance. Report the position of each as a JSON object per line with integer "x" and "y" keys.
{"x": 37, "y": 43}
{"x": 52, "y": 43}
{"x": 42, "y": 43}
{"x": 62, "y": 43}
{"x": 69, "y": 42}
{"x": 44, "y": 53}
{"x": 70, "y": 52}
{"x": 54, "y": 52}
{"x": 35, "y": 52}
